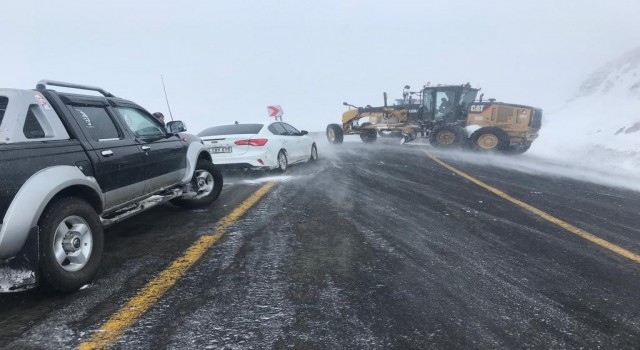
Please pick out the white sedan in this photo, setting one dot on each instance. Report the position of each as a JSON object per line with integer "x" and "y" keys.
{"x": 260, "y": 146}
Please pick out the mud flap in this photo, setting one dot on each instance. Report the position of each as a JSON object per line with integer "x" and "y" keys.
{"x": 21, "y": 272}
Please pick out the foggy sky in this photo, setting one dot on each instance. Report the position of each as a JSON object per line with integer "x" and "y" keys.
{"x": 226, "y": 61}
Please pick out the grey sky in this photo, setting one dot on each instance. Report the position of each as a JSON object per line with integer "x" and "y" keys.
{"x": 226, "y": 61}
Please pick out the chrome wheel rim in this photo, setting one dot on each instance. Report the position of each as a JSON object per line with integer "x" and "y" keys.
{"x": 488, "y": 141}
{"x": 72, "y": 243}
{"x": 204, "y": 183}
{"x": 282, "y": 161}
{"x": 314, "y": 153}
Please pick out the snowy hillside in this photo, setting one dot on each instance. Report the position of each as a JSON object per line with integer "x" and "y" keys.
{"x": 600, "y": 127}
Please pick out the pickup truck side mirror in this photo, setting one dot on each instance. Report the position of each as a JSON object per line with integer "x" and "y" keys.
{"x": 176, "y": 126}
{"x": 303, "y": 132}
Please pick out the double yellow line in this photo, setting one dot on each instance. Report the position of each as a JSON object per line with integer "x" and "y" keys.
{"x": 565, "y": 225}
{"x": 157, "y": 287}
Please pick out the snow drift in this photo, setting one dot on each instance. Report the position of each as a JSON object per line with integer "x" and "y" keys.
{"x": 600, "y": 127}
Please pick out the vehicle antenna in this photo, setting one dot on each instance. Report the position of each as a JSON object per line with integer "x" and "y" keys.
{"x": 165, "y": 96}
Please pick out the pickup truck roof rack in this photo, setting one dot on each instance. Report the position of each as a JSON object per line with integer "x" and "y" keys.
{"x": 42, "y": 84}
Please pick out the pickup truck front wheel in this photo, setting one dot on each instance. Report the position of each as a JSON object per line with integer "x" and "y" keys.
{"x": 71, "y": 243}
{"x": 206, "y": 182}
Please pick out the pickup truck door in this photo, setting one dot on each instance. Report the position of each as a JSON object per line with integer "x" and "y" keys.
{"x": 116, "y": 158}
{"x": 165, "y": 154}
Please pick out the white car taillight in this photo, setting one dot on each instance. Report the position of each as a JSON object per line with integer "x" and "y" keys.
{"x": 252, "y": 142}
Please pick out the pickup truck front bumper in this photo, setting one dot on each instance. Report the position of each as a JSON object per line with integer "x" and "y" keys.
{"x": 21, "y": 272}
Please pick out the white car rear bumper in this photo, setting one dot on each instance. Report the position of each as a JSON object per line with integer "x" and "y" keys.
{"x": 251, "y": 159}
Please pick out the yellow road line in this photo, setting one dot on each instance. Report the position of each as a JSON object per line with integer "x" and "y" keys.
{"x": 157, "y": 287}
{"x": 565, "y": 225}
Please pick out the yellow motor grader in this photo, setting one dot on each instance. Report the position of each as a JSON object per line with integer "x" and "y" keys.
{"x": 449, "y": 116}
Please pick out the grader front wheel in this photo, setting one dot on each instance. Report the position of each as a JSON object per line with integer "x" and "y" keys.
{"x": 334, "y": 133}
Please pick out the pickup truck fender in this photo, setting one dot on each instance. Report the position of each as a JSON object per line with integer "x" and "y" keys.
{"x": 33, "y": 197}
{"x": 195, "y": 151}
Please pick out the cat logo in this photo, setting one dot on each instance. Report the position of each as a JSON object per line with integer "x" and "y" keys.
{"x": 477, "y": 108}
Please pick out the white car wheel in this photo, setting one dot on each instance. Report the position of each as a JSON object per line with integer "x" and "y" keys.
{"x": 283, "y": 162}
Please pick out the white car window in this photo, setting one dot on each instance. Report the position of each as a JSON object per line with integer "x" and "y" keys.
{"x": 277, "y": 129}
{"x": 290, "y": 129}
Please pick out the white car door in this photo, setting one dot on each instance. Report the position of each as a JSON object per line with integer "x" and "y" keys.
{"x": 305, "y": 146}
{"x": 297, "y": 151}
{"x": 283, "y": 140}
{"x": 306, "y": 142}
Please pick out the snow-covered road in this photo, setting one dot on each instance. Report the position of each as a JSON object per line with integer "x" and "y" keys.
{"x": 374, "y": 246}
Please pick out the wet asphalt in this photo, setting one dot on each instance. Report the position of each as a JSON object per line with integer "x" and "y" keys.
{"x": 372, "y": 246}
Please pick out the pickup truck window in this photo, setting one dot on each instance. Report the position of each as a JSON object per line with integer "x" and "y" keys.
{"x": 96, "y": 123}
{"x": 141, "y": 124}
{"x": 32, "y": 128}
{"x": 3, "y": 107}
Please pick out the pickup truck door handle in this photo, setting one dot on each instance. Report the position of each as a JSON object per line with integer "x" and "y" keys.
{"x": 107, "y": 153}
{"x": 146, "y": 148}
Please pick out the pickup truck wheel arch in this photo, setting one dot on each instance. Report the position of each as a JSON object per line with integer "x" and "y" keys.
{"x": 205, "y": 155}
{"x": 195, "y": 153}
{"x": 213, "y": 177}
{"x": 33, "y": 197}
{"x": 85, "y": 193}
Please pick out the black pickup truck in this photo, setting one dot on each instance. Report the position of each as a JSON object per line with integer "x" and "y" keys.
{"x": 71, "y": 164}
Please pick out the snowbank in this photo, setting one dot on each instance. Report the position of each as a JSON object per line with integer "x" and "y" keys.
{"x": 600, "y": 128}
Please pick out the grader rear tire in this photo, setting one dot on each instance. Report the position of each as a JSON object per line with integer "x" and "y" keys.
{"x": 490, "y": 140}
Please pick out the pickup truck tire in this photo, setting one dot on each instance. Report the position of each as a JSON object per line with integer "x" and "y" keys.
{"x": 207, "y": 179}
{"x": 71, "y": 244}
